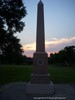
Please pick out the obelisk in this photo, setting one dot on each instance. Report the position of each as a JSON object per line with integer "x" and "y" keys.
{"x": 40, "y": 82}
{"x": 40, "y": 57}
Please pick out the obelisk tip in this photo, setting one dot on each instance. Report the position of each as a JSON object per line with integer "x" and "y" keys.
{"x": 40, "y": 2}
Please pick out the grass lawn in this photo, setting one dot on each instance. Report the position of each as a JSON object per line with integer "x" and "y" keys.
{"x": 12, "y": 73}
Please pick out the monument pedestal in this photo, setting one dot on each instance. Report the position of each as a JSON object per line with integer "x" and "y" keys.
{"x": 40, "y": 84}
{"x": 40, "y": 89}
{"x": 40, "y": 63}
{"x": 40, "y": 78}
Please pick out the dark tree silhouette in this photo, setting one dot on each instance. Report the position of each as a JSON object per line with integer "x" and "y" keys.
{"x": 65, "y": 56}
{"x": 11, "y": 14}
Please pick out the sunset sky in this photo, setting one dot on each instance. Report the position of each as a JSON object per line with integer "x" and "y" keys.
{"x": 59, "y": 16}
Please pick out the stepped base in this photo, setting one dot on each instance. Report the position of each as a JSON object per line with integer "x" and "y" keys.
{"x": 38, "y": 89}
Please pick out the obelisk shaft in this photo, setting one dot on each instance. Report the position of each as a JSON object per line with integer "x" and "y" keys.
{"x": 40, "y": 38}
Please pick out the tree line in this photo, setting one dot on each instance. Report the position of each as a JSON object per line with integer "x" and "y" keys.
{"x": 65, "y": 56}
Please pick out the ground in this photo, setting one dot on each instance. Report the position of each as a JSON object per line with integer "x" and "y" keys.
{"x": 13, "y": 81}
{"x": 17, "y": 91}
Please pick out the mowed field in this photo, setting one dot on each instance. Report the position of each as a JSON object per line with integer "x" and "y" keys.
{"x": 14, "y": 73}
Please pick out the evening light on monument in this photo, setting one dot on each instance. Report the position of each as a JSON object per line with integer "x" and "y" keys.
{"x": 40, "y": 82}
{"x": 37, "y": 62}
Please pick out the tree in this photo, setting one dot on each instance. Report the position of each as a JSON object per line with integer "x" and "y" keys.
{"x": 65, "y": 56}
{"x": 11, "y": 14}
{"x": 54, "y": 58}
{"x": 70, "y": 52}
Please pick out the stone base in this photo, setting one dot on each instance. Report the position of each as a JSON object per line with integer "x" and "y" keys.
{"x": 40, "y": 63}
{"x": 40, "y": 78}
{"x": 40, "y": 89}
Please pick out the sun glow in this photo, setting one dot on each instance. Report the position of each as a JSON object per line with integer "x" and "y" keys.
{"x": 51, "y": 46}
{"x": 29, "y": 47}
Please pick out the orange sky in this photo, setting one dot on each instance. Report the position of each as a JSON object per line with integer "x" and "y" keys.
{"x": 54, "y": 45}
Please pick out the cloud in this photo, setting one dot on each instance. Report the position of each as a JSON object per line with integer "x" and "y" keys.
{"x": 54, "y": 45}
{"x": 60, "y": 41}
{"x": 58, "y": 44}
{"x": 29, "y": 47}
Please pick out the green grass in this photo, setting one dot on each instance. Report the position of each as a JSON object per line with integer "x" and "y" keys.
{"x": 12, "y": 73}
{"x": 62, "y": 74}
